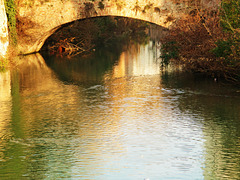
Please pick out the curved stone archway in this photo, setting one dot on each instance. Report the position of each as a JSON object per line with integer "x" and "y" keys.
{"x": 38, "y": 19}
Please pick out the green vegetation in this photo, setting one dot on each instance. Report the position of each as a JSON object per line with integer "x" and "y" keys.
{"x": 230, "y": 15}
{"x": 229, "y": 48}
{"x": 11, "y": 15}
{"x": 169, "y": 51}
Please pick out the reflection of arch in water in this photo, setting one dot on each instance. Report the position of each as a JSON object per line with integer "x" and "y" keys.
{"x": 130, "y": 60}
{"x": 54, "y": 125}
{"x": 82, "y": 70}
{"x": 33, "y": 74}
{"x": 5, "y": 104}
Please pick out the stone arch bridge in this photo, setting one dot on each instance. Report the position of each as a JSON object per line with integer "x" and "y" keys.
{"x": 38, "y": 19}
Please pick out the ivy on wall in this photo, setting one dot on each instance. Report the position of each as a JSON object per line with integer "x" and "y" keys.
{"x": 10, "y": 7}
{"x": 230, "y": 15}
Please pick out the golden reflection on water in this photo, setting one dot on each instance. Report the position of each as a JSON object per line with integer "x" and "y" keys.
{"x": 135, "y": 82}
{"x": 5, "y": 109}
{"x": 5, "y": 98}
{"x": 54, "y": 116}
{"x": 35, "y": 80}
{"x": 131, "y": 79}
{"x": 53, "y": 112}
{"x": 138, "y": 60}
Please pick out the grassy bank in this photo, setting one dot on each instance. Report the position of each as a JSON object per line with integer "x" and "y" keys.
{"x": 207, "y": 42}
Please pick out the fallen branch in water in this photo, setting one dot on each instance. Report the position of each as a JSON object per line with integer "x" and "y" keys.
{"x": 68, "y": 47}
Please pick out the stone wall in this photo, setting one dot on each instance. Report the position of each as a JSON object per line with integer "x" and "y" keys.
{"x": 4, "y": 41}
{"x": 38, "y": 19}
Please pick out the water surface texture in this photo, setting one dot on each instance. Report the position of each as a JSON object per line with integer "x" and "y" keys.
{"x": 116, "y": 115}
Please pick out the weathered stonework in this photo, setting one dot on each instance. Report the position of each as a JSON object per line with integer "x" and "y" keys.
{"x": 4, "y": 41}
{"x": 40, "y": 18}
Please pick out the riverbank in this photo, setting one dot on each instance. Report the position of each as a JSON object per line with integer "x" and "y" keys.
{"x": 202, "y": 44}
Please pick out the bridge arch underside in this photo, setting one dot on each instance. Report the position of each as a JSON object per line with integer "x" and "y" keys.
{"x": 32, "y": 39}
{"x": 51, "y": 32}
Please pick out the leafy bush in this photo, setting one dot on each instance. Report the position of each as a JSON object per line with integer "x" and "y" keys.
{"x": 223, "y": 48}
{"x": 230, "y": 14}
{"x": 226, "y": 48}
{"x": 229, "y": 49}
{"x": 169, "y": 51}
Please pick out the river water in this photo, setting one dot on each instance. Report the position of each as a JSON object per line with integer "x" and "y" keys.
{"x": 116, "y": 115}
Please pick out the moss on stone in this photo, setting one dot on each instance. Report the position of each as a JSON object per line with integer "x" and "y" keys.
{"x": 11, "y": 16}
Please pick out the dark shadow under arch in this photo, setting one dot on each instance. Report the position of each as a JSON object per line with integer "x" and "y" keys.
{"x": 59, "y": 28}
